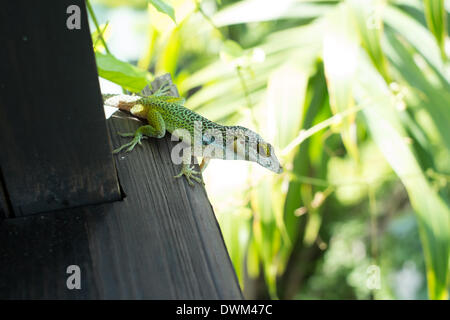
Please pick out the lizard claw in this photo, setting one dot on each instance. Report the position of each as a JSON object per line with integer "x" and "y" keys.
{"x": 136, "y": 140}
{"x": 190, "y": 173}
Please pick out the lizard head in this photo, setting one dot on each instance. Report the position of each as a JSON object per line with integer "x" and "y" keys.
{"x": 245, "y": 144}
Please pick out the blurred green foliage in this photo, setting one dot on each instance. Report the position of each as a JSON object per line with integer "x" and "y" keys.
{"x": 355, "y": 97}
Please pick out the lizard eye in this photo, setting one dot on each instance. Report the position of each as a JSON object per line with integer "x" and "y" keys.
{"x": 263, "y": 149}
{"x": 208, "y": 140}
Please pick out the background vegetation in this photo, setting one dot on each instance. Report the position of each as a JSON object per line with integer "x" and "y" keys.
{"x": 355, "y": 97}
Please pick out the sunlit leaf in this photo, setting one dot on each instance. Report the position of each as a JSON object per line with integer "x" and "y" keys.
{"x": 313, "y": 215}
{"x": 286, "y": 91}
{"x": 266, "y": 10}
{"x": 437, "y": 21}
{"x": 301, "y": 163}
{"x": 231, "y": 50}
{"x": 235, "y": 228}
{"x": 267, "y": 235}
{"x": 145, "y": 61}
{"x": 432, "y": 212}
{"x": 432, "y": 98}
{"x": 417, "y": 36}
{"x": 169, "y": 56}
{"x": 370, "y": 28}
{"x": 120, "y": 72}
{"x": 340, "y": 61}
{"x": 163, "y": 7}
{"x": 253, "y": 260}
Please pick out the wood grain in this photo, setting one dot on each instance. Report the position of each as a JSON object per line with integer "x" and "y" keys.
{"x": 53, "y": 137}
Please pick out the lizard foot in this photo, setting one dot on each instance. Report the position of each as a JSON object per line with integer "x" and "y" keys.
{"x": 189, "y": 173}
{"x": 137, "y": 138}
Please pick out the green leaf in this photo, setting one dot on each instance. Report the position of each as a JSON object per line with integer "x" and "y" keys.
{"x": 236, "y": 232}
{"x": 253, "y": 260}
{"x": 122, "y": 73}
{"x": 163, "y": 7}
{"x": 434, "y": 99}
{"x": 314, "y": 217}
{"x": 340, "y": 60}
{"x": 286, "y": 91}
{"x": 266, "y": 233}
{"x": 437, "y": 21}
{"x": 370, "y": 29}
{"x": 316, "y": 99}
{"x": 230, "y": 50}
{"x": 433, "y": 214}
{"x": 167, "y": 63}
{"x": 266, "y": 10}
{"x": 416, "y": 35}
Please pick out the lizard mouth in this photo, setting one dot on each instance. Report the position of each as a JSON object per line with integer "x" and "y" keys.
{"x": 276, "y": 169}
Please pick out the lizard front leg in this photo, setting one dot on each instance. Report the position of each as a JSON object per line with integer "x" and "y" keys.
{"x": 155, "y": 129}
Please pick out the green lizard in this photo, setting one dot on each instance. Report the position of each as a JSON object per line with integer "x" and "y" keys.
{"x": 167, "y": 113}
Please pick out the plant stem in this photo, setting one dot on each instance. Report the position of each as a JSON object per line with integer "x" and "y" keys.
{"x": 100, "y": 34}
{"x": 305, "y": 134}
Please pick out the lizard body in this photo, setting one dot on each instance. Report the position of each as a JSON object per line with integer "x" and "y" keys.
{"x": 167, "y": 113}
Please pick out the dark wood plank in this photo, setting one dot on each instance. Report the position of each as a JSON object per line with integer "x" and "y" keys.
{"x": 55, "y": 149}
{"x": 36, "y": 251}
{"x": 5, "y": 205}
{"x": 161, "y": 241}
